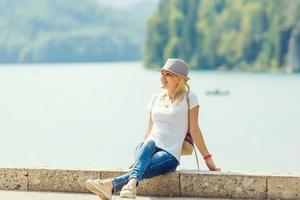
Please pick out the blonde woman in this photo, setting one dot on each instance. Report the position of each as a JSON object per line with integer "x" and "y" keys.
{"x": 160, "y": 151}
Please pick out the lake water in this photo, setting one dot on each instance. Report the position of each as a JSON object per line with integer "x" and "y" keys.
{"x": 91, "y": 116}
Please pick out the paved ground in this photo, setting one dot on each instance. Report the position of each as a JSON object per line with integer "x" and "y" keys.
{"x": 20, "y": 195}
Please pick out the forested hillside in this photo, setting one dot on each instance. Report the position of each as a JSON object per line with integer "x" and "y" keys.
{"x": 226, "y": 34}
{"x": 68, "y": 31}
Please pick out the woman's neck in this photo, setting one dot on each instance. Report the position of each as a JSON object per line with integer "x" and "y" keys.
{"x": 171, "y": 93}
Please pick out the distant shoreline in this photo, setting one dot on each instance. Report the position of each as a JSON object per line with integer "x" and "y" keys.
{"x": 242, "y": 70}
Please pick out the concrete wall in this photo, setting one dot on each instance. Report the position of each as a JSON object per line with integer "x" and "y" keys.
{"x": 180, "y": 183}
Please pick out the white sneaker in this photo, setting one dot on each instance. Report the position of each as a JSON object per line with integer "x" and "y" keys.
{"x": 98, "y": 188}
{"x": 128, "y": 192}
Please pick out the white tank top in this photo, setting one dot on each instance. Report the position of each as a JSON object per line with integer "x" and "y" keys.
{"x": 170, "y": 122}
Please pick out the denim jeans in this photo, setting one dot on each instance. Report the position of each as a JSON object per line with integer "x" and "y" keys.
{"x": 150, "y": 161}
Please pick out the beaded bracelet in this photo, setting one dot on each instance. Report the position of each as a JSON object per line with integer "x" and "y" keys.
{"x": 207, "y": 156}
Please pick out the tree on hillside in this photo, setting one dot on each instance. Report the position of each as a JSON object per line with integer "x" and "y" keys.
{"x": 211, "y": 34}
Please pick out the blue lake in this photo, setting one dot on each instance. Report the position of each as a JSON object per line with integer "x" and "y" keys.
{"x": 91, "y": 116}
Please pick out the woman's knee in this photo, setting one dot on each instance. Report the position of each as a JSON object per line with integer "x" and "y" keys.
{"x": 149, "y": 144}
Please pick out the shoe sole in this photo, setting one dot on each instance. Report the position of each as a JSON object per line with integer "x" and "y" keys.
{"x": 98, "y": 190}
{"x": 127, "y": 194}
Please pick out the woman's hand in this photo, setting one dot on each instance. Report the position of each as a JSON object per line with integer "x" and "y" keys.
{"x": 211, "y": 165}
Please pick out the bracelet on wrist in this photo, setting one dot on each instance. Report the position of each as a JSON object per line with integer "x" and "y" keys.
{"x": 207, "y": 156}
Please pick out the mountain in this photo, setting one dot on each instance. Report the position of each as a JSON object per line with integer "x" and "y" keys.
{"x": 69, "y": 31}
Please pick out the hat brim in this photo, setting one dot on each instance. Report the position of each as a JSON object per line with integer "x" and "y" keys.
{"x": 184, "y": 77}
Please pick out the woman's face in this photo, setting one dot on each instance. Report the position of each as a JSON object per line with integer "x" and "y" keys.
{"x": 168, "y": 79}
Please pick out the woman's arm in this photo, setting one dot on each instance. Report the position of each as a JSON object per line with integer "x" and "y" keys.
{"x": 150, "y": 124}
{"x": 198, "y": 138}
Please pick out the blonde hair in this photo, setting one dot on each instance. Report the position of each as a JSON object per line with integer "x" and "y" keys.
{"x": 182, "y": 88}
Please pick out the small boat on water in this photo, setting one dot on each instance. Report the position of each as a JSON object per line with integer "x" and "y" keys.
{"x": 218, "y": 92}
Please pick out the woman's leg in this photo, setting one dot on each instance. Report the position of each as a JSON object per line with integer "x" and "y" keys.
{"x": 150, "y": 161}
{"x": 143, "y": 158}
{"x": 161, "y": 162}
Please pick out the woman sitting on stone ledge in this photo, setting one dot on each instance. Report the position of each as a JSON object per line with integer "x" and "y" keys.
{"x": 160, "y": 151}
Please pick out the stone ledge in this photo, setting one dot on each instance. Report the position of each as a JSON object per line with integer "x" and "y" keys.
{"x": 58, "y": 180}
{"x": 13, "y": 179}
{"x": 287, "y": 187}
{"x": 243, "y": 185}
{"x": 219, "y": 185}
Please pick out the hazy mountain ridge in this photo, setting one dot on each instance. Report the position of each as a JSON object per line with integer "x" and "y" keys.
{"x": 68, "y": 31}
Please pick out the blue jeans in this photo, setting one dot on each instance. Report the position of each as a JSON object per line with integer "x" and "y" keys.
{"x": 150, "y": 161}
